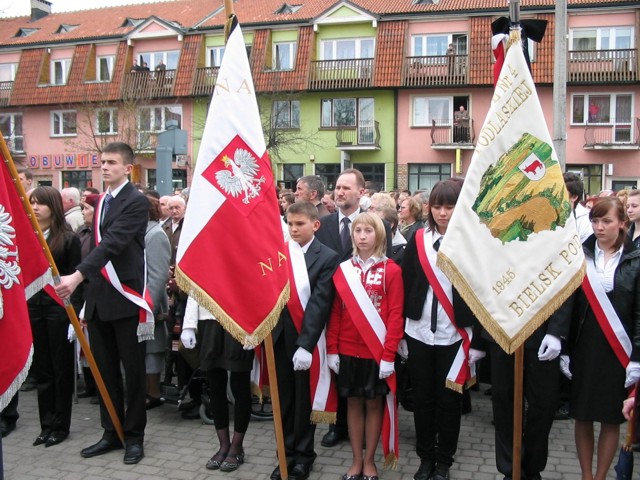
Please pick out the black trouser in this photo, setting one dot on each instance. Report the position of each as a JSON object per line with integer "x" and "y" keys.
{"x": 437, "y": 409}
{"x": 541, "y": 393}
{"x": 114, "y": 342}
{"x": 10, "y": 413}
{"x": 240, "y": 388}
{"x": 52, "y": 366}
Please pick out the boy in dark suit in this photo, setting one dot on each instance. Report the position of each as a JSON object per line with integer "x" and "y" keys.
{"x": 113, "y": 319}
{"x": 298, "y": 333}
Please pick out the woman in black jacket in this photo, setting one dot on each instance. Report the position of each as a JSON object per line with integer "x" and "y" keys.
{"x": 53, "y": 354}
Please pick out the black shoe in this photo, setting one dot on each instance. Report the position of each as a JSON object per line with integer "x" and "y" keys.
{"x": 7, "y": 427}
{"x": 232, "y": 462}
{"x": 87, "y": 394}
{"x": 300, "y": 471}
{"x": 100, "y": 448}
{"x": 425, "y": 471}
{"x": 276, "y": 475}
{"x": 192, "y": 414}
{"x": 441, "y": 473}
{"x": 332, "y": 438}
{"x": 95, "y": 400}
{"x": 215, "y": 462}
{"x": 153, "y": 402}
{"x": 42, "y": 438}
{"x": 191, "y": 404}
{"x": 562, "y": 414}
{"x": 133, "y": 453}
{"x": 55, "y": 438}
{"x": 28, "y": 385}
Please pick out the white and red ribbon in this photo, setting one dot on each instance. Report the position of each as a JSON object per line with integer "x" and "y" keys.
{"x": 606, "y": 315}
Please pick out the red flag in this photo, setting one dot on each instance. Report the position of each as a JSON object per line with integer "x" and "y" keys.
{"x": 23, "y": 271}
{"x": 231, "y": 255}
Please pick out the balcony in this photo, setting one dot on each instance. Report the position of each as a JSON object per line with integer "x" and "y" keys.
{"x": 603, "y": 66}
{"x": 613, "y": 137}
{"x": 341, "y": 74}
{"x": 435, "y": 71}
{"x": 5, "y": 92}
{"x": 143, "y": 85}
{"x": 445, "y": 136}
{"x": 366, "y": 136}
{"x": 204, "y": 81}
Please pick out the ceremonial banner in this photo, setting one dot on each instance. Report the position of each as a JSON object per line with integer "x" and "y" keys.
{"x": 511, "y": 248}
{"x": 23, "y": 271}
{"x": 231, "y": 252}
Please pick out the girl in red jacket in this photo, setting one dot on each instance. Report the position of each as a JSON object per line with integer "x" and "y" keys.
{"x": 364, "y": 329}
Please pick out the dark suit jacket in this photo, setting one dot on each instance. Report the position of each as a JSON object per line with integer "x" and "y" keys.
{"x": 123, "y": 230}
{"x": 329, "y": 234}
{"x": 321, "y": 264}
{"x": 322, "y": 210}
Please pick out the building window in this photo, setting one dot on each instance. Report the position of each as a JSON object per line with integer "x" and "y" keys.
{"x": 153, "y": 120}
{"x": 105, "y": 68}
{"x": 346, "y": 112}
{"x": 63, "y": 123}
{"x": 154, "y": 59}
{"x": 80, "y": 179}
{"x": 60, "y": 71}
{"x": 214, "y": 56}
{"x": 436, "y": 45}
{"x": 373, "y": 172}
{"x": 591, "y": 177}
{"x": 178, "y": 178}
{"x": 610, "y": 109}
{"x": 347, "y": 48}
{"x": 329, "y": 173}
{"x": 107, "y": 121}
{"x": 284, "y": 55}
{"x": 427, "y": 109}
{"x": 604, "y": 38}
{"x": 11, "y": 129}
{"x": 291, "y": 172}
{"x": 423, "y": 176}
{"x": 8, "y": 72}
{"x": 286, "y": 114}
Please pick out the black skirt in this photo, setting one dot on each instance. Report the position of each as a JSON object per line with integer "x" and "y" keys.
{"x": 218, "y": 349}
{"x": 359, "y": 378}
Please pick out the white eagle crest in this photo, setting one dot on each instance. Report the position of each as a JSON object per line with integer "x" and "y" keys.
{"x": 9, "y": 268}
{"x": 241, "y": 179}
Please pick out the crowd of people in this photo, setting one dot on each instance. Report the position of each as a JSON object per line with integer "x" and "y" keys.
{"x": 369, "y": 296}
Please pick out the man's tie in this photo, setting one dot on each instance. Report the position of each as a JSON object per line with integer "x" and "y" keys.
{"x": 345, "y": 235}
{"x": 107, "y": 202}
{"x": 434, "y": 302}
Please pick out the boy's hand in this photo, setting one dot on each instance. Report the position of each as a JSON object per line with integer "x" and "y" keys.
{"x": 333, "y": 360}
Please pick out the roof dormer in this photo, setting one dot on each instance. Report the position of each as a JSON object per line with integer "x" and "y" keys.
{"x": 25, "y": 32}
{"x": 345, "y": 12}
{"x": 65, "y": 28}
{"x": 287, "y": 9}
{"x": 154, "y": 27}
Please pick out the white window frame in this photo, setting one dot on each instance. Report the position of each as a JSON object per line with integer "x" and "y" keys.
{"x": 427, "y": 122}
{"x": 292, "y": 48}
{"x": 61, "y": 114}
{"x": 357, "y": 47}
{"x": 214, "y": 56}
{"x": 600, "y": 34}
{"x": 65, "y": 65}
{"x": 154, "y": 58}
{"x": 113, "y": 121}
{"x": 612, "y": 105}
{"x": 292, "y": 106}
{"x": 11, "y": 135}
{"x": 111, "y": 60}
{"x": 157, "y": 124}
{"x": 11, "y": 68}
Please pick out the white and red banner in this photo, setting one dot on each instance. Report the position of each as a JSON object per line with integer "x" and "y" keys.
{"x": 512, "y": 249}
{"x": 24, "y": 270}
{"x": 231, "y": 252}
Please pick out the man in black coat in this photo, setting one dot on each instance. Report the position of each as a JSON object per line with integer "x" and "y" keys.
{"x": 112, "y": 318}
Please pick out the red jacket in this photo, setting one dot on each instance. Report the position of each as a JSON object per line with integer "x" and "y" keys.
{"x": 383, "y": 284}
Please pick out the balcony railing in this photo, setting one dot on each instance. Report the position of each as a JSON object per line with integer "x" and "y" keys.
{"x": 621, "y": 135}
{"x": 157, "y": 84}
{"x": 603, "y": 66}
{"x": 341, "y": 74}
{"x": 444, "y": 134}
{"x": 5, "y": 92}
{"x": 366, "y": 134}
{"x": 204, "y": 81}
{"x": 436, "y": 70}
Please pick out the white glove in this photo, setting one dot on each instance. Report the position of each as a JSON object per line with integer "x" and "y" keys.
{"x": 302, "y": 359}
{"x": 476, "y": 356}
{"x": 633, "y": 374}
{"x": 71, "y": 334}
{"x": 188, "y": 338}
{"x": 386, "y": 369}
{"x": 403, "y": 350}
{"x": 549, "y": 348}
{"x": 333, "y": 360}
{"x": 565, "y": 363}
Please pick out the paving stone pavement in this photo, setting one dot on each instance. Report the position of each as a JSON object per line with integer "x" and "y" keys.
{"x": 178, "y": 449}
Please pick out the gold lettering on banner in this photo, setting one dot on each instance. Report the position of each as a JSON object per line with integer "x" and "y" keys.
{"x": 532, "y": 292}
{"x": 243, "y": 87}
{"x": 572, "y": 249}
{"x": 267, "y": 266}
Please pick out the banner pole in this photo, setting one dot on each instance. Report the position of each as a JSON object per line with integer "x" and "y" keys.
{"x": 275, "y": 405}
{"x": 517, "y": 412}
{"x": 71, "y": 313}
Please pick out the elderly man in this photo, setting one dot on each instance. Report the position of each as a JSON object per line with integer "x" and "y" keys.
{"x": 71, "y": 205}
{"x": 311, "y": 189}
{"x": 164, "y": 208}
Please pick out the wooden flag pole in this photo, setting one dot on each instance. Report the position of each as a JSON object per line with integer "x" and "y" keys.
{"x": 518, "y": 367}
{"x": 71, "y": 313}
{"x": 275, "y": 405}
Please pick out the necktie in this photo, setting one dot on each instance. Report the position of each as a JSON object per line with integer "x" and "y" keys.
{"x": 107, "y": 202}
{"x": 345, "y": 235}
{"x": 434, "y": 302}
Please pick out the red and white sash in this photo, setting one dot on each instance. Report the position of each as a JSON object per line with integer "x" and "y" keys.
{"x": 606, "y": 315}
{"x": 460, "y": 372}
{"x": 324, "y": 396}
{"x": 373, "y": 331}
{"x": 145, "y": 325}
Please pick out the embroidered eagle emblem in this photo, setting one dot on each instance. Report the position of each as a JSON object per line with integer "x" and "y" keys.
{"x": 241, "y": 176}
{"x": 9, "y": 267}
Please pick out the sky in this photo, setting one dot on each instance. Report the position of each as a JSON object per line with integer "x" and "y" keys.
{"x": 18, "y": 8}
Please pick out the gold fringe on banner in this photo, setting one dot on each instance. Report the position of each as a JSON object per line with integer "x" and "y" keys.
{"x": 390, "y": 462}
{"x": 227, "y": 26}
{"x": 456, "y": 387}
{"x": 514, "y": 38}
{"x": 509, "y": 345}
{"x": 318, "y": 416}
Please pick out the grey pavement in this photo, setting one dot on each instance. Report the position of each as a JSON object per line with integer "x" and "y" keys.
{"x": 176, "y": 448}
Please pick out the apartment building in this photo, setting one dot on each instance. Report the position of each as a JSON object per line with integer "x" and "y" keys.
{"x": 373, "y": 84}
